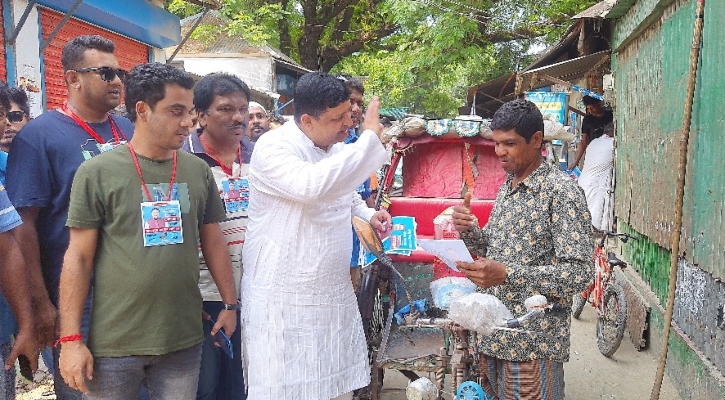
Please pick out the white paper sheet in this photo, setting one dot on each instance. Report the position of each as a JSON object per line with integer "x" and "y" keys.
{"x": 449, "y": 251}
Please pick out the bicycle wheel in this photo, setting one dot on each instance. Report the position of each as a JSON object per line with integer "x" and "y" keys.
{"x": 577, "y": 305}
{"x": 612, "y": 320}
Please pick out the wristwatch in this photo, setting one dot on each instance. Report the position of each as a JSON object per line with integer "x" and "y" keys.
{"x": 233, "y": 307}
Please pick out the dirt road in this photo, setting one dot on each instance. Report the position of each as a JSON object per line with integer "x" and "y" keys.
{"x": 627, "y": 375}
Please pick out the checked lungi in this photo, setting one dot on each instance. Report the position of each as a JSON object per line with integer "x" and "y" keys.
{"x": 522, "y": 380}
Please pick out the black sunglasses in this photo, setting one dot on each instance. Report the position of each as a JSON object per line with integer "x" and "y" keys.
{"x": 108, "y": 74}
{"x": 15, "y": 116}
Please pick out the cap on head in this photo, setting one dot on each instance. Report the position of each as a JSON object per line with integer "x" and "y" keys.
{"x": 254, "y": 104}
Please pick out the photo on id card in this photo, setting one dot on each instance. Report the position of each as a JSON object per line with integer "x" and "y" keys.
{"x": 236, "y": 194}
{"x": 161, "y": 223}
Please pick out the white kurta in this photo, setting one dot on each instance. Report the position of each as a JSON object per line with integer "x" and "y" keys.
{"x": 596, "y": 179}
{"x": 301, "y": 329}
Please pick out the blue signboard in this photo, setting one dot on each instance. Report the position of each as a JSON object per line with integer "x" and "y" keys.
{"x": 552, "y": 103}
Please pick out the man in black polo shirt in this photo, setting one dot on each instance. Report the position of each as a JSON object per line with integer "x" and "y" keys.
{"x": 592, "y": 126}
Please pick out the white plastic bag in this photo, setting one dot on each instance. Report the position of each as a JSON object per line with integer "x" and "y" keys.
{"x": 479, "y": 312}
{"x": 446, "y": 290}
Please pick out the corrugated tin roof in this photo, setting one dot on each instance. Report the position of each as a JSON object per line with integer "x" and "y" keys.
{"x": 599, "y": 10}
{"x": 225, "y": 44}
{"x": 566, "y": 70}
{"x": 620, "y": 8}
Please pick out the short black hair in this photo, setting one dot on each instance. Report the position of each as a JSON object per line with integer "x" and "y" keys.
{"x": 19, "y": 97}
{"x": 318, "y": 91}
{"x": 520, "y": 115}
{"x": 147, "y": 83}
{"x": 217, "y": 84}
{"x": 351, "y": 83}
{"x": 589, "y": 101}
{"x": 74, "y": 51}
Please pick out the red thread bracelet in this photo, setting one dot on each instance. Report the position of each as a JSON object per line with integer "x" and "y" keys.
{"x": 69, "y": 338}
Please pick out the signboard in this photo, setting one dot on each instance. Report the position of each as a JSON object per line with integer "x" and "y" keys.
{"x": 552, "y": 103}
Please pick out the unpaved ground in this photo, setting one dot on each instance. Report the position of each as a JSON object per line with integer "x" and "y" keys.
{"x": 40, "y": 389}
{"x": 627, "y": 375}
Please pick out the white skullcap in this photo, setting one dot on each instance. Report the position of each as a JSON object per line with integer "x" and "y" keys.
{"x": 255, "y": 104}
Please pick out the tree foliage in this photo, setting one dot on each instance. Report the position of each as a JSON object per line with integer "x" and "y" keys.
{"x": 421, "y": 54}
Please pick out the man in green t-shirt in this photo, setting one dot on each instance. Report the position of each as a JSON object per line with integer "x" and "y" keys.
{"x": 146, "y": 314}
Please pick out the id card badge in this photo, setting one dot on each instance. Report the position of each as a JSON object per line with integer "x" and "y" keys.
{"x": 161, "y": 223}
{"x": 235, "y": 192}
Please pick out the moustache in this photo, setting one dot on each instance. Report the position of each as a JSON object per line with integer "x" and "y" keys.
{"x": 237, "y": 125}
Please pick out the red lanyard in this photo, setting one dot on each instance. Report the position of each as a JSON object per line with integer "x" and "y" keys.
{"x": 213, "y": 156}
{"x": 90, "y": 130}
{"x": 140, "y": 175}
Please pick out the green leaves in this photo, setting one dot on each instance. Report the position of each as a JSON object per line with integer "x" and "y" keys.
{"x": 421, "y": 54}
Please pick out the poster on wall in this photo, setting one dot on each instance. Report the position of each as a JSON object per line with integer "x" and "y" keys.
{"x": 29, "y": 81}
{"x": 551, "y": 103}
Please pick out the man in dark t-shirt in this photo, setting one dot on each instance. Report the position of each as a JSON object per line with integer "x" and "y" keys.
{"x": 592, "y": 126}
{"x": 44, "y": 158}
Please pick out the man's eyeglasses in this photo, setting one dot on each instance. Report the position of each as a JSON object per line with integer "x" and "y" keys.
{"x": 108, "y": 74}
{"x": 15, "y": 116}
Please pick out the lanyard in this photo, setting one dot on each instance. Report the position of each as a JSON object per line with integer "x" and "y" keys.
{"x": 210, "y": 152}
{"x": 90, "y": 130}
{"x": 140, "y": 175}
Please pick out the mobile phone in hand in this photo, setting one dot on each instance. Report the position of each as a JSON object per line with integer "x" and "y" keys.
{"x": 25, "y": 369}
{"x": 224, "y": 341}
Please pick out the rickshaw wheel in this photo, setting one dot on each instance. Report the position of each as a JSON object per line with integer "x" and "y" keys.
{"x": 373, "y": 306}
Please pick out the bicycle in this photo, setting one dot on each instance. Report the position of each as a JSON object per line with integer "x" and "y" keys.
{"x": 606, "y": 296}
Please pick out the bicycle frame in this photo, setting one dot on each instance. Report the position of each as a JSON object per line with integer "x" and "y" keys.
{"x": 603, "y": 272}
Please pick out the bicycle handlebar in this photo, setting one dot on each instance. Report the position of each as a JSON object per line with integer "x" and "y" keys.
{"x": 623, "y": 237}
{"x": 512, "y": 323}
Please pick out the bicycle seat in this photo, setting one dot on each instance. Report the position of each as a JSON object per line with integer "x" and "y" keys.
{"x": 614, "y": 261}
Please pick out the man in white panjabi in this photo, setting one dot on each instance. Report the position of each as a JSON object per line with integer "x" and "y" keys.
{"x": 302, "y": 332}
{"x": 596, "y": 177}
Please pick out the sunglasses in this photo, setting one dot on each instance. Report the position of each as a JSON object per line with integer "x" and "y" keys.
{"x": 15, "y": 116}
{"x": 108, "y": 74}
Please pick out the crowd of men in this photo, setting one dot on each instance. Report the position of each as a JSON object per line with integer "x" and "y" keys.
{"x": 241, "y": 290}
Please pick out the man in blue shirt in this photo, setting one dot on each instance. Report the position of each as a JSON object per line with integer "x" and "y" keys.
{"x": 13, "y": 286}
{"x": 356, "y": 100}
{"x": 43, "y": 161}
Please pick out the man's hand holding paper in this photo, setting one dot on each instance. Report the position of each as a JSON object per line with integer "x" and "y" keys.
{"x": 483, "y": 272}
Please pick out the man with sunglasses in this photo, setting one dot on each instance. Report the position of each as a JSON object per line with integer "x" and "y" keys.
{"x": 17, "y": 116}
{"x": 43, "y": 161}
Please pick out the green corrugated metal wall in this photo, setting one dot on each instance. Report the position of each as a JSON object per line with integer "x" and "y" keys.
{"x": 706, "y": 247}
{"x": 650, "y": 84}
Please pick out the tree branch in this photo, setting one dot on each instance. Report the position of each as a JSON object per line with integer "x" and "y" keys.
{"x": 330, "y": 11}
{"x": 333, "y": 53}
{"x": 342, "y": 25}
{"x": 285, "y": 39}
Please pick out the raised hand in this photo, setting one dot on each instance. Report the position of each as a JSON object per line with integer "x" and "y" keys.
{"x": 372, "y": 117}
